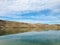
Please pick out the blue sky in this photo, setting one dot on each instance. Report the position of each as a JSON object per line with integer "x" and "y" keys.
{"x": 31, "y": 11}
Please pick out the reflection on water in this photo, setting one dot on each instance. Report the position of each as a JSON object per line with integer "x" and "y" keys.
{"x": 32, "y": 38}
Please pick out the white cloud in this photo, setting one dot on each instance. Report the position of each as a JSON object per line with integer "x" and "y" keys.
{"x": 7, "y": 6}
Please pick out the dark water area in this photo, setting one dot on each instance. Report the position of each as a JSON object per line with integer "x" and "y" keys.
{"x": 32, "y": 38}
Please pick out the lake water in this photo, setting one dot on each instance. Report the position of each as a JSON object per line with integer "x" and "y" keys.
{"x": 32, "y": 38}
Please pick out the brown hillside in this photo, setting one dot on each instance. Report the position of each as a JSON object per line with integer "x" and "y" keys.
{"x": 9, "y": 27}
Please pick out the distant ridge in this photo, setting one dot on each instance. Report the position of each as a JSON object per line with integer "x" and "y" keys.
{"x": 10, "y": 27}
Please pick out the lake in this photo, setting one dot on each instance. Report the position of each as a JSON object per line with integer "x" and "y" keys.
{"x": 32, "y": 38}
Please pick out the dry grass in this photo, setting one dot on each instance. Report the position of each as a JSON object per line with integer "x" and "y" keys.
{"x": 10, "y": 27}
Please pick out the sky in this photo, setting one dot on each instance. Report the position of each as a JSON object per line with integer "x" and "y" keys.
{"x": 31, "y": 11}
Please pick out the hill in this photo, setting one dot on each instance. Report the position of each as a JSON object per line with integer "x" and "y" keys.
{"x": 10, "y": 27}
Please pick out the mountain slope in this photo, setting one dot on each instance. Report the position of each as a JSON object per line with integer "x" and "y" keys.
{"x": 9, "y": 27}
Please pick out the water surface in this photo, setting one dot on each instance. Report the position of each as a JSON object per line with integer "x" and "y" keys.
{"x": 32, "y": 38}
